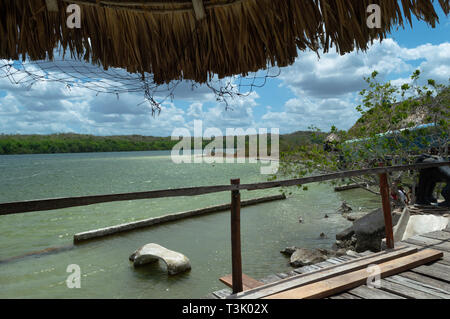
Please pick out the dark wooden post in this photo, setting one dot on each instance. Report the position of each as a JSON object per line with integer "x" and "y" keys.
{"x": 236, "y": 259}
{"x": 384, "y": 191}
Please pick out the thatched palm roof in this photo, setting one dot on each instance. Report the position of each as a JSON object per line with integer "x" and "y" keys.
{"x": 195, "y": 39}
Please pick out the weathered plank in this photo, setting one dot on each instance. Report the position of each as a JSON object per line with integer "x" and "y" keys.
{"x": 365, "y": 292}
{"x": 282, "y": 275}
{"x": 429, "y": 242}
{"x": 344, "y": 295}
{"x": 436, "y": 283}
{"x": 59, "y": 203}
{"x": 438, "y": 271}
{"x": 335, "y": 261}
{"x": 434, "y": 292}
{"x": 333, "y": 285}
{"x": 223, "y": 293}
{"x": 445, "y": 258}
{"x": 324, "y": 264}
{"x": 405, "y": 291}
{"x": 307, "y": 269}
{"x": 270, "y": 279}
{"x": 247, "y": 281}
{"x": 347, "y": 257}
{"x": 322, "y": 274}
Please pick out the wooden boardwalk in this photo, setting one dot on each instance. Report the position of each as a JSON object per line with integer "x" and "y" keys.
{"x": 430, "y": 281}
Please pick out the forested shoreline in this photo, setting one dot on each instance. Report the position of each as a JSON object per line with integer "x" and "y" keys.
{"x": 79, "y": 143}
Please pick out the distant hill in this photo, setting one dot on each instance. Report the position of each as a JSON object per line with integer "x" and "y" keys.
{"x": 294, "y": 140}
{"x": 419, "y": 114}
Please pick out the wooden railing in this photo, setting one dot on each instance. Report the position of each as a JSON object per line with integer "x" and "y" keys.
{"x": 235, "y": 187}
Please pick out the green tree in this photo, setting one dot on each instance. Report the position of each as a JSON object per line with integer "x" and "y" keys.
{"x": 397, "y": 123}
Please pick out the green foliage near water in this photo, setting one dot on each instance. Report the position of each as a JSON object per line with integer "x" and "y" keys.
{"x": 76, "y": 143}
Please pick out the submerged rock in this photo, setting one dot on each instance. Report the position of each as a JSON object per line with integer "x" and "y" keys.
{"x": 344, "y": 208}
{"x": 176, "y": 262}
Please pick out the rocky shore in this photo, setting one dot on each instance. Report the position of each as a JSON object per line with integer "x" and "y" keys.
{"x": 366, "y": 233}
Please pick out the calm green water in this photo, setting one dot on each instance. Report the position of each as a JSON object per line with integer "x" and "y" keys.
{"x": 106, "y": 271}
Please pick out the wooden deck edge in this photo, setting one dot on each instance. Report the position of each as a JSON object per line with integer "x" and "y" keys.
{"x": 354, "y": 279}
{"x": 324, "y": 273}
{"x": 247, "y": 282}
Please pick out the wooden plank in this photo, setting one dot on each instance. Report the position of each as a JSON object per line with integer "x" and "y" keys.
{"x": 438, "y": 271}
{"x": 335, "y": 261}
{"x": 356, "y": 278}
{"x": 322, "y": 274}
{"x": 307, "y": 269}
{"x": 419, "y": 278}
{"x": 270, "y": 279}
{"x": 445, "y": 258}
{"x": 364, "y": 292}
{"x": 347, "y": 257}
{"x": 405, "y": 291}
{"x": 59, "y": 203}
{"x": 344, "y": 295}
{"x": 429, "y": 242}
{"x": 223, "y": 293}
{"x": 111, "y": 230}
{"x": 247, "y": 281}
{"x": 282, "y": 275}
{"x": 324, "y": 264}
{"x": 432, "y": 291}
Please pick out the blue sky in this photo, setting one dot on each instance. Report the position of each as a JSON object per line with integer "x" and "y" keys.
{"x": 320, "y": 92}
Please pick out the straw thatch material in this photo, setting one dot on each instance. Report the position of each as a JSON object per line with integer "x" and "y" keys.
{"x": 171, "y": 40}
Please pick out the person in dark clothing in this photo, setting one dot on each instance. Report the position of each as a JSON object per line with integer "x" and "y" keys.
{"x": 428, "y": 178}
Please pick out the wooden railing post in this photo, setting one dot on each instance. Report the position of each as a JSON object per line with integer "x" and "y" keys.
{"x": 384, "y": 191}
{"x": 236, "y": 259}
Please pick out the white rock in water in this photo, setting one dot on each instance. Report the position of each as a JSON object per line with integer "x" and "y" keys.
{"x": 176, "y": 262}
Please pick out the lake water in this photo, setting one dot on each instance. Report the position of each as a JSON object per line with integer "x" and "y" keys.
{"x": 106, "y": 271}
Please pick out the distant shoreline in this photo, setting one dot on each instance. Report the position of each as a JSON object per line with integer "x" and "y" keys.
{"x": 64, "y": 143}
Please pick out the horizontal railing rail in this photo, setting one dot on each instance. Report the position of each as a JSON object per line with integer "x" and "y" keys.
{"x": 66, "y": 202}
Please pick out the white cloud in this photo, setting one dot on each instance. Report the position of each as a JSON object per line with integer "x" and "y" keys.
{"x": 325, "y": 94}
{"x": 326, "y": 88}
